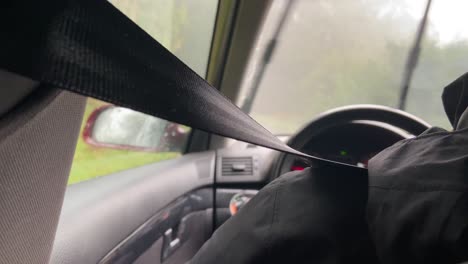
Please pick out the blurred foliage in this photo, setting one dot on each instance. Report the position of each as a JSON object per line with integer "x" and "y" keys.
{"x": 184, "y": 27}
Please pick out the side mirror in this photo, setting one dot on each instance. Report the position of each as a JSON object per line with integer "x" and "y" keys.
{"x": 121, "y": 128}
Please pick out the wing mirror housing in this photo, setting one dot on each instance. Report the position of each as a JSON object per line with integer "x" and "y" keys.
{"x": 116, "y": 127}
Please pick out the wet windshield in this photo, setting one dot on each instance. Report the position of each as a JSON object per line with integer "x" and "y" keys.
{"x": 335, "y": 53}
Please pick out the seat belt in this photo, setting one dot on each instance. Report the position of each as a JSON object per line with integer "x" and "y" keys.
{"x": 89, "y": 47}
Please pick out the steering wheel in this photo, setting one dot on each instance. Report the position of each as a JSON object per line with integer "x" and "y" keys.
{"x": 351, "y": 134}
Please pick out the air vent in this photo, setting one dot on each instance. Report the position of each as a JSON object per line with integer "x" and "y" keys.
{"x": 238, "y": 166}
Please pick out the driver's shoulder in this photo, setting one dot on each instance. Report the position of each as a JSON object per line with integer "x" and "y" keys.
{"x": 435, "y": 159}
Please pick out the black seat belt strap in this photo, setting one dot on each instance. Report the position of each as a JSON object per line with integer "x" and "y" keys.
{"x": 89, "y": 47}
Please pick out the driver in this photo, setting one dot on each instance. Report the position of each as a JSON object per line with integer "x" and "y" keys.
{"x": 411, "y": 207}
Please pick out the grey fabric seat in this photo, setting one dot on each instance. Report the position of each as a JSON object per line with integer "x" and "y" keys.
{"x": 38, "y": 132}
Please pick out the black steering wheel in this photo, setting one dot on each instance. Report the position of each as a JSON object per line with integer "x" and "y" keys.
{"x": 351, "y": 134}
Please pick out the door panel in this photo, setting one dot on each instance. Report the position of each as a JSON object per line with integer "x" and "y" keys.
{"x": 99, "y": 214}
{"x": 197, "y": 227}
{"x": 176, "y": 224}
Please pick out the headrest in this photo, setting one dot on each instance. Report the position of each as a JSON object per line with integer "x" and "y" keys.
{"x": 13, "y": 89}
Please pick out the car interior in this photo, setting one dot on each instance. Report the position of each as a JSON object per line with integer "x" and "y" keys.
{"x": 85, "y": 180}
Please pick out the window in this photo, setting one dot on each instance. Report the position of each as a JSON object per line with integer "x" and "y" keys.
{"x": 336, "y": 53}
{"x": 113, "y": 138}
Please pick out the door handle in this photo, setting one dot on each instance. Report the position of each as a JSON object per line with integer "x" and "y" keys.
{"x": 171, "y": 242}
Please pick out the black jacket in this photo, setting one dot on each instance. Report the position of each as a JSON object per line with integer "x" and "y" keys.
{"x": 411, "y": 207}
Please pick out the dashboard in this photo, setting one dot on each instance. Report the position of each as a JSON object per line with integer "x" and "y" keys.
{"x": 353, "y": 143}
{"x": 351, "y": 135}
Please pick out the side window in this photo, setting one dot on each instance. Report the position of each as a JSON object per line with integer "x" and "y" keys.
{"x": 114, "y": 138}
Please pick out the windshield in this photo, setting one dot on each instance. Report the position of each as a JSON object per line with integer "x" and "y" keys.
{"x": 335, "y": 53}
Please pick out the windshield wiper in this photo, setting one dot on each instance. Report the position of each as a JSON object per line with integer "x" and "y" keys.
{"x": 267, "y": 55}
{"x": 412, "y": 60}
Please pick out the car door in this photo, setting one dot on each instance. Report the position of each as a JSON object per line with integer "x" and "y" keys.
{"x": 135, "y": 194}
{"x": 118, "y": 210}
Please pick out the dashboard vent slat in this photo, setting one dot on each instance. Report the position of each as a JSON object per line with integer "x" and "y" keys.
{"x": 237, "y": 166}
